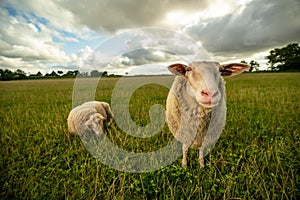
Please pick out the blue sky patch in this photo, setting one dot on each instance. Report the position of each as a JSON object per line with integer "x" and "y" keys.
{"x": 11, "y": 11}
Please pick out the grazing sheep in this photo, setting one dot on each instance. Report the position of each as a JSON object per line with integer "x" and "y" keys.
{"x": 85, "y": 120}
{"x": 101, "y": 107}
{"x": 196, "y": 107}
{"x": 89, "y": 117}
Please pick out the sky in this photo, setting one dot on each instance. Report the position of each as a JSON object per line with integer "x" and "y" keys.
{"x": 141, "y": 36}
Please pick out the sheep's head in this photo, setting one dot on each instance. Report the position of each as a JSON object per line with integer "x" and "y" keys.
{"x": 95, "y": 123}
{"x": 204, "y": 79}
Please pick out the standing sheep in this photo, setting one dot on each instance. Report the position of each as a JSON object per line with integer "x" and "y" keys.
{"x": 196, "y": 107}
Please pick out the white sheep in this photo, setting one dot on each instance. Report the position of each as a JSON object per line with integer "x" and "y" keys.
{"x": 89, "y": 117}
{"x": 101, "y": 107}
{"x": 196, "y": 107}
{"x": 85, "y": 120}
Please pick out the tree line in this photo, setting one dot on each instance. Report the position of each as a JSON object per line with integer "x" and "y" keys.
{"x": 6, "y": 74}
{"x": 279, "y": 59}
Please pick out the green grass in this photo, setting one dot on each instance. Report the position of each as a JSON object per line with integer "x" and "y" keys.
{"x": 256, "y": 157}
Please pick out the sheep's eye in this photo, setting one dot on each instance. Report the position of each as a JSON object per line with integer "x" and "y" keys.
{"x": 188, "y": 69}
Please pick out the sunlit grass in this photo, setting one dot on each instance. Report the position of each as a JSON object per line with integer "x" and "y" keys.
{"x": 256, "y": 157}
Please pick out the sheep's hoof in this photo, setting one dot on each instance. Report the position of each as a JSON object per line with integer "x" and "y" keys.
{"x": 201, "y": 162}
{"x": 183, "y": 164}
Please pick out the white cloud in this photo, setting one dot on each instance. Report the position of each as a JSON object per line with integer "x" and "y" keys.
{"x": 23, "y": 40}
{"x": 29, "y": 67}
{"x": 141, "y": 47}
{"x": 28, "y": 44}
{"x": 50, "y": 11}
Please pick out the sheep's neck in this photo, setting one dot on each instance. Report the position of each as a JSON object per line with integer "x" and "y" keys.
{"x": 200, "y": 115}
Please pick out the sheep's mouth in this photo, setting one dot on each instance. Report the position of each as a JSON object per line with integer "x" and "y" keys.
{"x": 208, "y": 105}
{"x": 209, "y": 101}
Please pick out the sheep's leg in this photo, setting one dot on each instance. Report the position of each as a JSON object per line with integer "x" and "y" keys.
{"x": 185, "y": 149}
{"x": 201, "y": 158}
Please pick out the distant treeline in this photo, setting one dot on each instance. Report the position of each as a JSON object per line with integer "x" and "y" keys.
{"x": 6, "y": 74}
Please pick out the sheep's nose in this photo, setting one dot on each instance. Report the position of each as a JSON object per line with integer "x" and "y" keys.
{"x": 209, "y": 93}
{"x": 209, "y": 96}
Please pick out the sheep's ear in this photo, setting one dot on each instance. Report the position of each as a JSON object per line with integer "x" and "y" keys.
{"x": 178, "y": 69}
{"x": 100, "y": 117}
{"x": 233, "y": 69}
{"x": 91, "y": 121}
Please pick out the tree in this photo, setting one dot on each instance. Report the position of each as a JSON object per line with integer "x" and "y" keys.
{"x": 252, "y": 65}
{"x": 69, "y": 74}
{"x": 6, "y": 74}
{"x": 285, "y": 59}
{"x": 83, "y": 74}
{"x": 60, "y": 72}
{"x": 95, "y": 73}
{"x": 19, "y": 74}
{"x": 39, "y": 74}
{"x": 104, "y": 73}
{"x": 76, "y": 72}
{"x": 52, "y": 74}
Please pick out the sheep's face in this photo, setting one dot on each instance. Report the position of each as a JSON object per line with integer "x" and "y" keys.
{"x": 95, "y": 123}
{"x": 204, "y": 79}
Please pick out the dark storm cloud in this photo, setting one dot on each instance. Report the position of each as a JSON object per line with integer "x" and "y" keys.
{"x": 261, "y": 25}
{"x": 111, "y": 16}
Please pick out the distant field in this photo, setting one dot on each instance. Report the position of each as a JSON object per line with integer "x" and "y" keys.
{"x": 256, "y": 157}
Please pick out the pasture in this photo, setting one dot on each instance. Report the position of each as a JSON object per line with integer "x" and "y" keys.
{"x": 256, "y": 157}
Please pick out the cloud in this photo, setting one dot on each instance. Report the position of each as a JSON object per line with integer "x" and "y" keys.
{"x": 142, "y": 47}
{"x": 262, "y": 25}
{"x": 147, "y": 56}
{"x": 27, "y": 43}
{"x": 111, "y": 16}
{"x": 48, "y": 13}
{"x": 149, "y": 69}
{"x": 107, "y": 16}
{"x": 49, "y": 32}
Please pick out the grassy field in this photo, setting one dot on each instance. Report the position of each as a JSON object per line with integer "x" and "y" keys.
{"x": 256, "y": 157}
